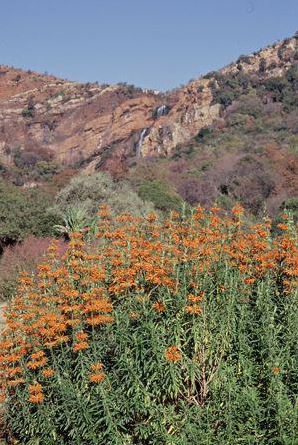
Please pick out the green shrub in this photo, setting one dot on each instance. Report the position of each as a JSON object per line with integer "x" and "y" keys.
{"x": 181, "y": 331}
{"x": 28, "y": 112}
{"x": 203, "y": 134}
{"x": 93, "y": 190}
{"x": 24, "y": 212}
{"x": 46, "y": 169}
{"x": 160, "y": 195}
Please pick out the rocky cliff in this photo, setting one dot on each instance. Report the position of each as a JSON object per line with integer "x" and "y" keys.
{"x": 95, "y": 126}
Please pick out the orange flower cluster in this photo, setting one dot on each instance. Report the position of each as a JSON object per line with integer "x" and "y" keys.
{"x": 38, "y": 360}
{"x": 158, "y": 306}
{"x": 97, "y": 375}
{"x": 48, "y": 372}
{"x": 35, "y": 393}
{"x": 194, "y": 308}
{"x": 173, "y": 354}
{"x": 72, "y": 298}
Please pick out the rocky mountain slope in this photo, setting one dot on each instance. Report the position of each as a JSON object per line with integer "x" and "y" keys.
{"x": 230, "y": 135}
{"x": 94, "y": 125}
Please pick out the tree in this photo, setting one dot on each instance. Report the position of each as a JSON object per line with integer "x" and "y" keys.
{"x": 23, "y": 212}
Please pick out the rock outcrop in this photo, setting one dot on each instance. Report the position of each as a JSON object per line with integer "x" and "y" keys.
{"x": 92, "y": 125}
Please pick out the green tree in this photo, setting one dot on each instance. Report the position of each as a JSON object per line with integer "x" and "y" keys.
{"x": 24, "y": 212}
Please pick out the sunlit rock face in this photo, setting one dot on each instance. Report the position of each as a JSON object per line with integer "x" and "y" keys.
{"x": 90, "y": 125}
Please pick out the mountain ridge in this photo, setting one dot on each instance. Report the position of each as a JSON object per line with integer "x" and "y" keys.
{"x": 230, "y": 134}
{"x": 77, "y": 122}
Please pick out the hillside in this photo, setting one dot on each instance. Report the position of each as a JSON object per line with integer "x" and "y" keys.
{"x": 249, "y": 109}
{"x": 148, "y": 258}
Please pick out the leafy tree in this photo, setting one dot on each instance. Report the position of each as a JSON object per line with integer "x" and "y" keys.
{"x": 23, "y": 212}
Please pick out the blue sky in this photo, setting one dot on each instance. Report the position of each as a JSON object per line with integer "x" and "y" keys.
{"x": 157, "y": 44}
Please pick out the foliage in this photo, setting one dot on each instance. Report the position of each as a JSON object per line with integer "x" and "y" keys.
{"x": 202, "y": 134}
{"x": 23, "y": 212}
{"x": 47, "y": 169}
{"x": 160, "y": 195}
{"x": 91, "y": 190}
{"x": 29, "y": 111}
{"x": 22, "y": 257}
{"x": 76, "y": 219}
{"x": 181, "y": 331}
{"x": 292, "y": 206}
{"x": 232, "y": 86}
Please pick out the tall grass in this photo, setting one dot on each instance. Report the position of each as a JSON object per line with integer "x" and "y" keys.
{"x": 182, "y": 331}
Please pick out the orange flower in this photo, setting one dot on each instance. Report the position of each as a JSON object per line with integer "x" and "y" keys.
{"x": 80, "y": 346}
{"x": 16, "y": 382}
{"x": 36, "y": 388}
{"x": 37, "y": 364}
{"x": 48, "y": 372}
{"x": 196, "y": 298}
{"x": 173, "y": 354}
{"x": 36, "y": 398}
{"x": 97, "y": 367}
{"x": 97, "y": 378}
{"x": 81, "y": 336}
{"x": 99, "y": 319}
{"x": 282, "y": 226}
{"x": 159, "y": 306}
{"x": 37, "y": 355}
{"x": 195, "y": 309}
{"x": 104, "y": 211}
{"x": 238, "y": 210}
{"x": 276, "y": 370}
{"x": 14, "y": 371}
{"x": 249, "y": 280}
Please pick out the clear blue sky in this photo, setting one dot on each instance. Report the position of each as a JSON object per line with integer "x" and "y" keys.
{"x": 151, "y": 43}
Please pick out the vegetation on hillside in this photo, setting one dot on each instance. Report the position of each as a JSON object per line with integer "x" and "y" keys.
{"x": 24, "y": 212}
{"x": 29, "y": 216}
{"x": 180, "y": 331}
{"x": 249, "y": 154}
{"x": 126, "y": 326}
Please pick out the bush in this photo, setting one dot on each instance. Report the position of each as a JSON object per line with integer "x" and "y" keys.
{"x": 262, "y": 66}
{"x": 24, "y": 212}
{"x": 29, "y": 111}
{"x": 47, "y": 169}
{"x": 249, "y": 104}
{"x": 92, "y": 190}
{"x": 23, "y": 257}
{"x": 203, "y": 134}
{"x": 160, "y": 195}
{"x": 225, "y": 98}
{"x": 172, "y": 332}
{"x": 292, "y": 206}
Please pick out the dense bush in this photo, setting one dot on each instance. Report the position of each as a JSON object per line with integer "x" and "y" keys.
{"x": 232, "y": 86}
{"x": 90, "y": 190}
{"x": 160, "y": 195}
{"x": 24, "y": 212}
{"x": 175, "y": 332}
